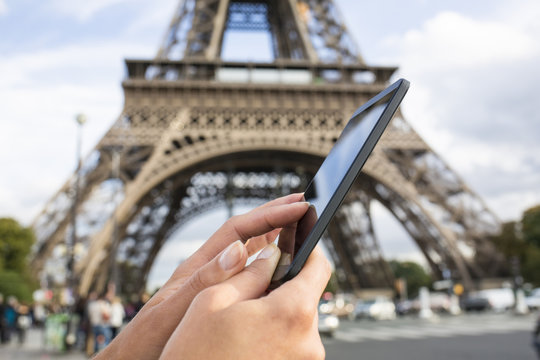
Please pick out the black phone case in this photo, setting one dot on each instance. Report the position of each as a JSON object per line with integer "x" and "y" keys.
{"x": 399, "y": 88}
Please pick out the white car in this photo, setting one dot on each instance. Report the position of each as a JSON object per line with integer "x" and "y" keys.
{"x": 379, "y": 308}
{"x": 501, "y": 299}
{"x": 533, "y": 300}
{"x": 328, "y": 324}
{"x": 439, "y": 302}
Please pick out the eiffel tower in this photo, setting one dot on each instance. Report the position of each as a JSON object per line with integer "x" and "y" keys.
{"x": 198, "y": 132}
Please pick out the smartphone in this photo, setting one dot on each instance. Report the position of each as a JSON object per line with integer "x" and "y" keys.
{"x": 335, "y": 177}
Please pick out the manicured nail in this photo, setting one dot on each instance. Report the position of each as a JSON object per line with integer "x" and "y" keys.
{"x": 232, "y": 255}
{"x": 299, "y": 202}
{"x": 268, "y": 251}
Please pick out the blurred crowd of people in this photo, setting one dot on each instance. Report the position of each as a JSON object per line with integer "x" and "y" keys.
{"x": 15, "y": 319}
{"x": 97, "y": 319}
{"x": 102, "y": 317}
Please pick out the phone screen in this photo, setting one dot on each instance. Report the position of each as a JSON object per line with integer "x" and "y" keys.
{"x": 326, "y": 182}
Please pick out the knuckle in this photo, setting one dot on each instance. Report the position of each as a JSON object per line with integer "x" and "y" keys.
{"x": 208, "y": 296}
{"x": 268, "y": 220}
{"x": 233, "y": 219}
{"x": 304, "y": 315}
{"x": 254, "y": 273}
{"x": 197, "y": 282}
{"x": 232, "y": 224}
{"x": 297, "y": 317}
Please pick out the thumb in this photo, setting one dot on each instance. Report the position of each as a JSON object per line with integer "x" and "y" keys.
{"x": 252, "y": 282}
{"x": 231, "y": 261}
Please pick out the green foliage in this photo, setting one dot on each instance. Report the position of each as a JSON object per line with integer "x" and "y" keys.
{"x": 15, "y": 244}
{"x": 508, "y": 241}
{"x": 530, "y": 266}
{"x": 521, "y": 240}
{"x": 531, "y": 226}
{"x": 413, "y": 273}
{"x": 18, "y": 285}
{"x": 332, "y": 285}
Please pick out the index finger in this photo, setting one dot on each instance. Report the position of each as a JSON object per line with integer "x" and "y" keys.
{"x": 272, "y": 215}
{"x": 254, "y": 223}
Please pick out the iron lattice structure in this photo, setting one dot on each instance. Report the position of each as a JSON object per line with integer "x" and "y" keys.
{"x": 197, "y": 132}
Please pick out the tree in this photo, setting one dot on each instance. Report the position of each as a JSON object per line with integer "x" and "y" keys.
{"x": 521, "y": 240}
{"x": 15, "y": 245}
{"x": 413, "y": 273}
{"x": 531, "y": 226}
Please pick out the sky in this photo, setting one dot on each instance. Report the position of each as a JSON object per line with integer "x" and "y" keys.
{"x": 473, "y": 67}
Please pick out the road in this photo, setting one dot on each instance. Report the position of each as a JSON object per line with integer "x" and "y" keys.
{"x": 481, "y": 336}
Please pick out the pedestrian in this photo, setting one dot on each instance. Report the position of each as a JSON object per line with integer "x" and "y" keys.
{"x": 3, "y": 321}
{"x": 117, "y": 316}
{"x": 536, "y": 337}
{"x": 40, "y": 315}
{"x": 99, "y": 314}
{"x": 24, "y": 321}
{"x": 214, "y": 307}
{"x": 10, "y": 315}
{"x": 90, "y": 321}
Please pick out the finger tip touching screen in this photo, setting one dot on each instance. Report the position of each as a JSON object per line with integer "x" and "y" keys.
{"x": 334, "y": 178}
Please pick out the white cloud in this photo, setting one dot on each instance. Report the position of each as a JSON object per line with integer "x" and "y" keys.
{"x": 3, "y": 7}
{"x": 451, "y": 39}
{"x": 473, "y": 99}
{"x": 81, "y": 9}
{"x": 39, "y": 102}
{"x": 152, "y": 14}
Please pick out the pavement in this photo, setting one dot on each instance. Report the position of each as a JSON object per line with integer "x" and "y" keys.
{"x": 34, "y": 349}
{"x": 485, "y": 336}
{"x": 479, "y": 336}
{"x": 436, "y": 327}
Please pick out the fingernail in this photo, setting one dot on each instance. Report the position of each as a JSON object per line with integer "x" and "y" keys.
{"x": 299, "y": 202}
{"x": 268, "y": 251}
{"x": 232, "y": 255}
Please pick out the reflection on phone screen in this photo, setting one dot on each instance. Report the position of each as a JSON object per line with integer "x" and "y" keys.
{"x": 326, "y": 183}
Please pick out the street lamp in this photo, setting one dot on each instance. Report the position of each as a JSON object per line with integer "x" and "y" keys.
{"x": 81, "y": 120}
{"x": 71, "y": 244}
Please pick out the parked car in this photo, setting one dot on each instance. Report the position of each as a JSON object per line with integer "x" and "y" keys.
{"x": 501, "y": 299}
{"x": 328, "y": 324}
{"x": 533, "y": 300}
{"x": 439, "y": 302}
{"x": 404, "y": 307}
{"x": 379, "y": 308}
{"x": 474, "y": 302}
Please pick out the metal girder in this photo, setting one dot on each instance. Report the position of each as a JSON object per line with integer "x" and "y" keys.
{"x": 327, "y": 28}
{"x": 197, "y": 29}
{"x": 360, "y": 263}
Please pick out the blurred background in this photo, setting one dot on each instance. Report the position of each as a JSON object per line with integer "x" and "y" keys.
{"x": 473, "y": 70}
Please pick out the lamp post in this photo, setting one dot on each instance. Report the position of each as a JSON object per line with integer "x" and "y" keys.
{"x": 81, "y": 120}
{"x": 71, "y": 280}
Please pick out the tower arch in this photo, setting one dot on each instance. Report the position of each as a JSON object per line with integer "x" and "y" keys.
{"x": 190, "y": 116}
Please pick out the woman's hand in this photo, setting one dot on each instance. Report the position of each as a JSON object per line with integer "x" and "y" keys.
{"x": 232, "y": 321}
{"x": 221, "y": 257}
